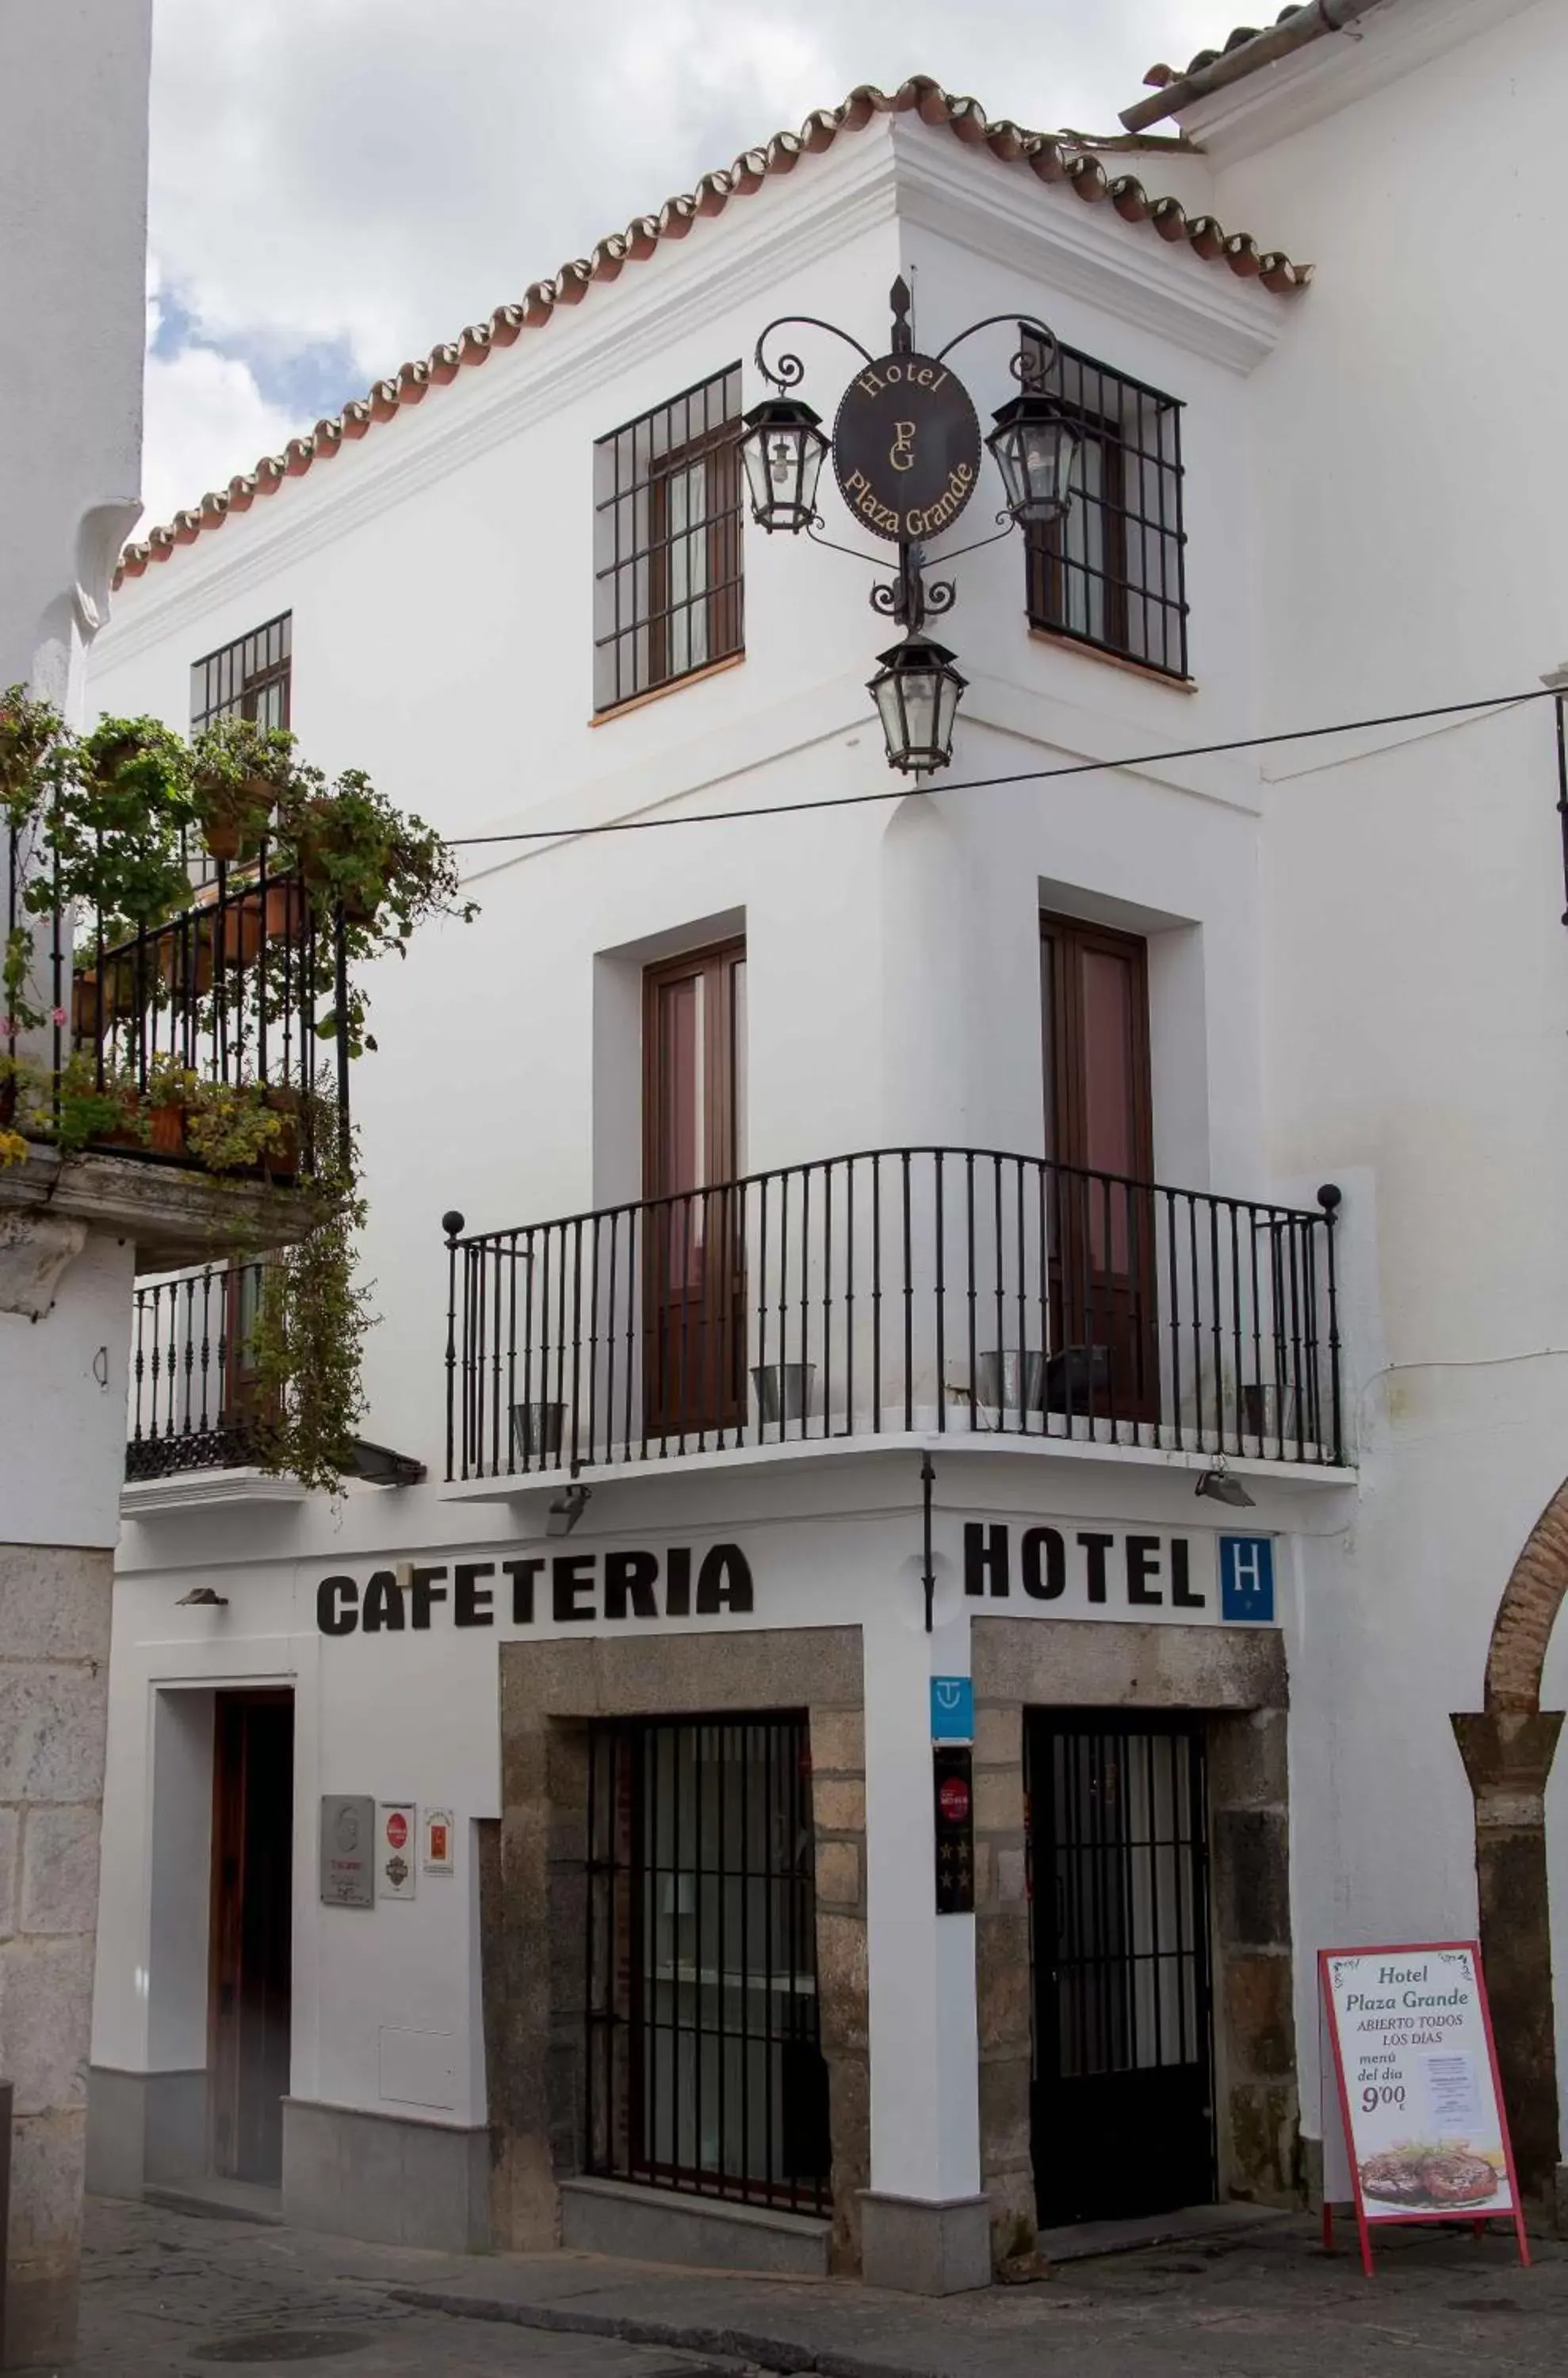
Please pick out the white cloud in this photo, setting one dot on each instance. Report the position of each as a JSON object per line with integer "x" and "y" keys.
{"x": 206, "y": 420}
{"x": 373, "y": 173}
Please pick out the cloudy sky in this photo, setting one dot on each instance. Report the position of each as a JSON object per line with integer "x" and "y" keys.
{"x": 339, "y": 183}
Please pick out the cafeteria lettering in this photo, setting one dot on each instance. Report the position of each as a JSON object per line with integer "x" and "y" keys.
{"x": 1151, "y": 1572}
{"x": 571, "y": 1589}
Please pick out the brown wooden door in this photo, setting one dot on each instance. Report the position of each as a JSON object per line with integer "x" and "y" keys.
{"x": 1099, "y": 1132}
{"x": 694, "y": 1098}
{"x": 252, "y": 1912}
{"x": 245, "y": 1402}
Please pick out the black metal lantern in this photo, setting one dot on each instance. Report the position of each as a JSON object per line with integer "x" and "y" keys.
{"x": 1036, "y": 452}
{"x": 783, "y": 451}
{"x": 916, "y": 691}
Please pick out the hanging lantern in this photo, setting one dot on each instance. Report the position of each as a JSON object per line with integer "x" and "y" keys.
{"x": 1036, "y": 452}
{"x": 783, "y": 451}
{"x": 916, "y": 691}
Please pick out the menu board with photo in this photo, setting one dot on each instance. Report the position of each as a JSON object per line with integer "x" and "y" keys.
{"x": 1416, "y": 2070}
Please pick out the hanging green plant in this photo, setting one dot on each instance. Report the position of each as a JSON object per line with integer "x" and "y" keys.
{"x": 118, "y": 822}
{"x": 306, "y": 1344}
{"x": 32, "y": 739}
{"x": 240, "y": 772}
{"x": 386, "y": 869}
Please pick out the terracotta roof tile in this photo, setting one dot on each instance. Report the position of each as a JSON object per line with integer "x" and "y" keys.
{"x": 1160, "y": 77}
{"x": 1052, "y": 157}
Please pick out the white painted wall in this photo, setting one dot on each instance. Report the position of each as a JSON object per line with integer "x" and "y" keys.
{"x": 1408, "y": 549}
{"x": 73, "y": 197}
{"x": 1358, "y": 972}
{"x": 63, "y": 1406}
{"x": 414, "y": 1716}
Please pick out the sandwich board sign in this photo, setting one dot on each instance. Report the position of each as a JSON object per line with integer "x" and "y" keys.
{"x": 1415, "y": 2067}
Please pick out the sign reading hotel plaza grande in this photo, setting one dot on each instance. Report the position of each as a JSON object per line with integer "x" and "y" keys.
{"x": 1416, "y": 2077}
{"x": 906, "y": 447}
{"x": 1069, "y": 1570}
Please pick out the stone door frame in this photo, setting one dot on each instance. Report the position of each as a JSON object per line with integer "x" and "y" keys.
{"x": 534, "y": 1888}
{"x": 1236, "y": 1679}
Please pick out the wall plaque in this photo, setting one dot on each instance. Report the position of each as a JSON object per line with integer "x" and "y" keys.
{"x": 348, "y": 1840}
{"x": 396, "y": 1823}
{"x": 906, "y": 447}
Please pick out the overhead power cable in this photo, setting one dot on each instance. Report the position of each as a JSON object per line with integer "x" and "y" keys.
{"x": 1499, "y": 702}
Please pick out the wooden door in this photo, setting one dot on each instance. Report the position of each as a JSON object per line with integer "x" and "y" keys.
{"x": 1099, "y": 1137}
{"x": 252, "y": 1912}
{"x": 693, "y": 1100}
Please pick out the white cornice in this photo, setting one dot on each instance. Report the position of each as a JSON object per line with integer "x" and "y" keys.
{"x": 1087, "y": 251}
{"x": 893, "y": 166}
{"x": 1335, "y": 72}
{"x": 705, "y": 280}
{"x": 205, "y": 1490}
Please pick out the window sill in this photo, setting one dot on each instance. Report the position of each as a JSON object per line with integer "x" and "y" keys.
{"x": 671, "y": 685}
{"x": 1113, "y": 660}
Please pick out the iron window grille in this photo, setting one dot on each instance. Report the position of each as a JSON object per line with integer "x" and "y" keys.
{"x": 705, "y": 2067}
{"x": 668, "y": 542}
{"x": 1109, "y": 573}
{"x": 248, "y": 679}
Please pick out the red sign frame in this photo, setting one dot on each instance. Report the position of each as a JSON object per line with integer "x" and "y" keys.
{"x": 1414, "y": 1948}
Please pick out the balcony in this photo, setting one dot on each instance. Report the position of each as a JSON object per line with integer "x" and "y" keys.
{"x": 135, "y": 1064}
{"x": 946, "y": 1291}
{"x": 199, "y": 1409}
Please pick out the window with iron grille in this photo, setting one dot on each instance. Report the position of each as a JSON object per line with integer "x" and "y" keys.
{"x": 248, "y": 679}
{"x": 706, "y": 2071}
{"x": 667, "y": 541}
{"x": 1111, "y": 572}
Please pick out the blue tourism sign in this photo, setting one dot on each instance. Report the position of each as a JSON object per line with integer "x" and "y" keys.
{"x": 952, "y": 1708}
{"x": 1247, "y": 1579}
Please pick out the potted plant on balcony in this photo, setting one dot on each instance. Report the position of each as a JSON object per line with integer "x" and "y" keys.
{"x": 240, "y": 774}
{"x": 232, "y": 1126}
{"x": 116, "y": 825}
{"x": 357, "y": 852}
{"x": 33, "y": 739}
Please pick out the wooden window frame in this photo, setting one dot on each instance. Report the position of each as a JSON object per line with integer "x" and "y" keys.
{"x": 635, "y": 643}
{"x": 719, "y": 601}
{"x": 244, "y": 699}
{"x": 1142, "y": 577}
{"x": 716, "y": 963}
{"x": 1068, "y": 1126}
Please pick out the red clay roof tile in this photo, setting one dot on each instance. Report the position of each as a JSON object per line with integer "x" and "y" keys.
{"x": 1052, "y": 157}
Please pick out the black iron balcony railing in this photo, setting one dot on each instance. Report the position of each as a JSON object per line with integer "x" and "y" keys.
{"x": 947, "y": 1290}
{"x": 122, "y": 1035}
{"x": 195, "y": 1398}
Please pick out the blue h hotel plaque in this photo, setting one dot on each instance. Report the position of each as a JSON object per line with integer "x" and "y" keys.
{"x": 1246, "y": 1579}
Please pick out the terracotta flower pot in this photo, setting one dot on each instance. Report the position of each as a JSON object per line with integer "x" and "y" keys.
{"x": 166, "y": 1129}
{"x": 281, "y": 1161}
{"x": 244, "y": 930}
{"x": 222, "y": 837}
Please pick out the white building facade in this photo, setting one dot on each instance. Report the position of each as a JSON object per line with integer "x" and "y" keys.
{"x": 803, "y": 1777}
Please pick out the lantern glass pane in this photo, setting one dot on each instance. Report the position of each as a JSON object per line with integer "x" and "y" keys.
{"x": 920, "y": 690}
{"x": 946, "y": 712}
{"x": 814, "y": 454}
{"x": 1004, "y": 445}
{"x": 885, "y": 691}
{"x": 754, "y": 455}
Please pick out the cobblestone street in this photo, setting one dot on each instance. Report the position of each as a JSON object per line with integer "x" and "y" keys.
{"x": 170, "y": 2296}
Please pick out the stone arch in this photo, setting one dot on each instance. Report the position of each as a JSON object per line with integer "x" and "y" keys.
{"x": 1508, "y": 1749}
{"x": 1531, "y": 1600}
